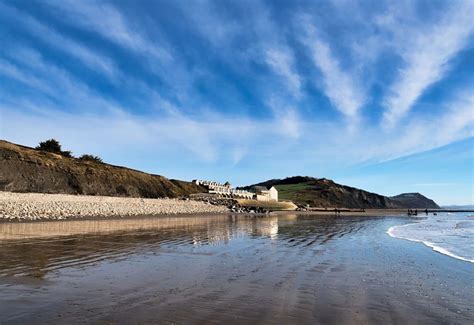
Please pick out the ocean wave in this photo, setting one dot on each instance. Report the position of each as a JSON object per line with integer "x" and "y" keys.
{"x": 448, "y": 234}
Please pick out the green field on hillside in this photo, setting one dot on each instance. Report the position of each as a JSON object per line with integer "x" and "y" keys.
{"x": 293, "y": 191}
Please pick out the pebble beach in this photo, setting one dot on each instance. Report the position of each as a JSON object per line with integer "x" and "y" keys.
{"x": 38, "y": 206}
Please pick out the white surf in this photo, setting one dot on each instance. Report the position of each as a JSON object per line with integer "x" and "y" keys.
{"x": 450, "y": 234}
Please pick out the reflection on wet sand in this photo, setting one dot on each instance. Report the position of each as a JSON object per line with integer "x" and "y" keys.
{"x": 9, "y": 231}
{"x": 16, "y": 231}
{"x": 40, "y": 247}
{"x": 214, "y": 269}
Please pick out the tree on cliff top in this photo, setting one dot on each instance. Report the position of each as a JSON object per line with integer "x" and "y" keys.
{"x": 92, "y": 158}
{"x": 54, "y": 146}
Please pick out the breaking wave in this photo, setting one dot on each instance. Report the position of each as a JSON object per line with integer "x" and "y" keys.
{"x": 450, "y": 234}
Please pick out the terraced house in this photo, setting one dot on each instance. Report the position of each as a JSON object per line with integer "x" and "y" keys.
{"x": 259, "y": 193}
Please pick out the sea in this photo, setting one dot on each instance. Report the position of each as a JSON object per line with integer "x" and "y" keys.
{"x": 447, "y": 233}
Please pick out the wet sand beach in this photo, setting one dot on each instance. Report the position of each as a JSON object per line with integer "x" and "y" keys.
{"x": 356, "y": 213}
{"x": 279, "y": 269}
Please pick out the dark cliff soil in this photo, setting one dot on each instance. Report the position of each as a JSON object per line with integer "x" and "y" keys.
{"x": 23, "y": 169}
{"x": 321, "y": 192}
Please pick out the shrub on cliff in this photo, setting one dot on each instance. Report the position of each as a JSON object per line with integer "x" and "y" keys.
{"x": 54, "y": 146}
{"x": 92, "y": 158}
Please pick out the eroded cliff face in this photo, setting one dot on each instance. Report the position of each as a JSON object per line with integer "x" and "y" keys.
{"x": 24, "y": 169}
{"x": 321, "y": 192}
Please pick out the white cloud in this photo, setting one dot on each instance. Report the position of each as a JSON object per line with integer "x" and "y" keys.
{"x": 264, "y": 42}
{"x": 107, "y": 21}
{"x": 69, "y": 92}
{"x": 427, "y": 52}
{"x": 13, "y": 72}
{"x": 286, "y": 117}
{"x": 282, "y": 62}
{"x": 218, "y": 29}
{"x": 430, "y": 132}
{"x": 131, "y": 34}
{"x": 229, "y": 140}
{"x": 237, "y": 154}
{"x": 208, "y": 139}
{"x": 91, "y": 59}
{"x": 290, "y": 123}
{"x": 339, "y": 86}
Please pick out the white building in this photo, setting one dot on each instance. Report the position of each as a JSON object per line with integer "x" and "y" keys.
{"x": 260, "y": 193}
{"x": 266, "y": 194}
{"x": 224, "y": 190}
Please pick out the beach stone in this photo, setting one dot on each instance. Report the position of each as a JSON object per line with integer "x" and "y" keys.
{"x": 35, "y": 206}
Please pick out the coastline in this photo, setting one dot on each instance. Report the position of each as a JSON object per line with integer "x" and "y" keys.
{"x": 28, "y": 207}
{"x": 365, "y": 213}
{"x": 428, "y": 244}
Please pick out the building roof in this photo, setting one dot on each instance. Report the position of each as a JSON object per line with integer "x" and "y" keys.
{"x": 259, "y": 189}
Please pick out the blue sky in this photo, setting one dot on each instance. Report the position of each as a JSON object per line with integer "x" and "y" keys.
{"x": 373, "y": 94}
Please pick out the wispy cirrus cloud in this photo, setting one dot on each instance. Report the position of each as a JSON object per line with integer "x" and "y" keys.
{"x": 339, "y": 86}
{"x": 88, "y": 57}
{"x": 112, "y": 24}
{"x": 215, "y": 27}
{"x": 267, "y": 46}
{"x": 14, "y": 72}
{"x": 276, "y": 52}
{"x": 286, "y": 116}
{"x": 28, "y": 66}
{"x": 425, "y": 133}
{"x": 427, "y": 52}
{"x": 109, "y": 22}
{"x": 281, "y": 60}
{"x": 208, "y": 139}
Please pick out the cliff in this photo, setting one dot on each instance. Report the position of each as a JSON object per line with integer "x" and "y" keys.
{"x": 24, "y": 169}
{"x": 414, "y": 200}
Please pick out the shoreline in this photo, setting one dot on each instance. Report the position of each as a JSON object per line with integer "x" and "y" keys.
{"x": 434, "y": 247}
{"x": 365, "y": 213}
{"x": 25, "y": 229}
{"x": 117, "y": 217}
{"x": 33, "y": 207}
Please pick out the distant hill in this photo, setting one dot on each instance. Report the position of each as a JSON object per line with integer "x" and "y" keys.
{"x": 415, "y": 200}
{"x": 322, "y": 192}
{"x": 24, "y": 169}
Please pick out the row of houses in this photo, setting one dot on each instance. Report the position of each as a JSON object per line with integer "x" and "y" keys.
{"x": 259, "y": 193}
